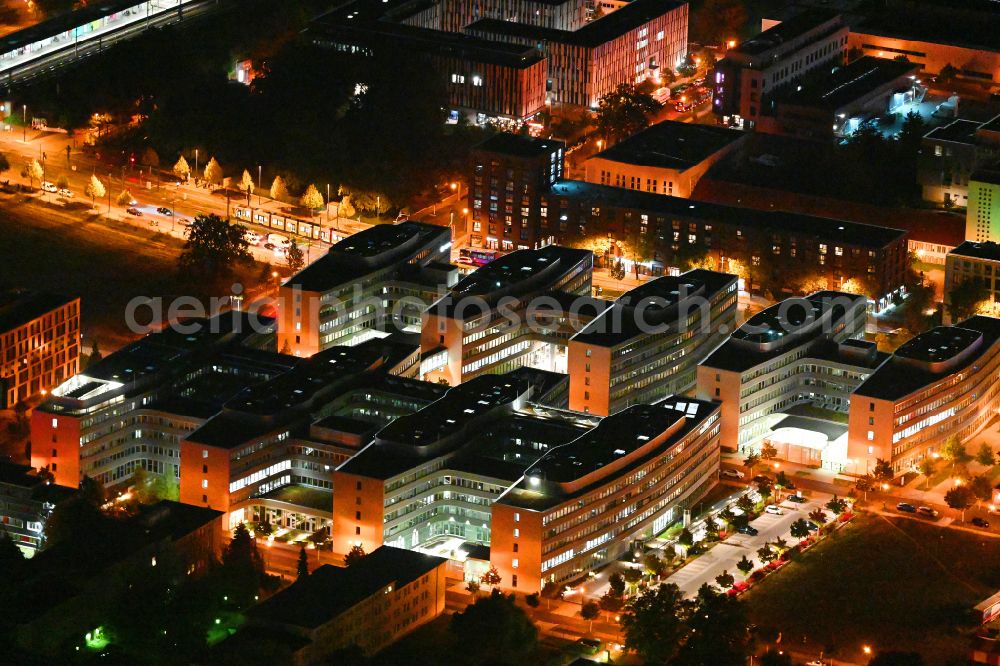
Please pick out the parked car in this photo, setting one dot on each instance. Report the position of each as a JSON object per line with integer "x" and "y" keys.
{"x": 134, "y": 211}
{"x": 773, "y": 509}
{"x": 927, "y": 511}
{"x": 65, "y": 193}
{"x": 811, "y": 526}
{"x": 163, "y": 210}
{"x": 49, "y": 187}
{"x": 252, "y": 237}
{"x": 980, "y": 522}
{"x": 732, "y": 474}
{"x": 906, "y": 507}
{"x": 760, "y": 478}
{"x": 798, "y": 499}
{"x": 746, "y": 529}
{"x": 589, "y": 645}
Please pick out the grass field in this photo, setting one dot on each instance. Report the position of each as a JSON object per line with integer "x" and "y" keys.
{"x": 892, "y": 584}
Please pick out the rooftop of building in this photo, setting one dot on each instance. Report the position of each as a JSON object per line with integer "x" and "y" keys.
{"x": 329, "y": 591}
{"x": 672, "y": 144}
{"x": 376, "y": 248}
{"x": 844, "y": 85}
{"x": 932, "y": 356}
{"x": 989, "y": 175}
{"x": 791, "y": 315}
{"x": 298, "y": 494}
{"x": 786, "y": 31}
{"x": 959, "y": 130}
{"x": 24, "y": 476}
{"x": 987, "y": 250}
{"x": 518, "y": 145}
{"x": 821, "y": 228}
{"x": 652, "y": 307}
{"x": 976, "y": 27}
{"x": 620, "y": 443}
{"x": 63, "y": 23}
{"x": 21, "y": 306}
{"x": 992, "y": 125}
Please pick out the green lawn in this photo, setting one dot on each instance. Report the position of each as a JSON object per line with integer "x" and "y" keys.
{"x": 898, "y": 584}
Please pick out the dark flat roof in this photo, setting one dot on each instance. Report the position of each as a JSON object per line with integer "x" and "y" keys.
{"x": 786, "y": 31}
{"x": 845, "y": 84}
{"x": 18, "y": 307}
{"x": 957, "y": 131}
{"x": 830, "y": 230}
{"x": 672, "y": 145}
{"x": 330, "y": 591}
{"x": 989, "y": 175}
{"x": 975, "y": 250}
{"x": 518, "y": 145}
{"x": 940, "y": 25}
{"x": 64, "y": 22}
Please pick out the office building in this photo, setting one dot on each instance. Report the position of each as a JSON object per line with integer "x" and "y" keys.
{"x": 786, "y": 376}
{"x": 746, "y": 77}
{"x": 509, "y": 172}
{"x": 26, "y": 502}
{"x": 366, "y": 286}
{"x": 978, "y": 263}
{"x": 667, "y": 158}
{"x": 519, "y": 310}
{"x": 982, "y": 217}
{"x": 942, "y": 383}
{"x": 39, "y": 343}
{"x": 951, "y": 154}
{"x": 583, "y": 504}
{"x": 132, "y": 408}
{"x": 648, "y": 344}
{"x": 373, "y": 603}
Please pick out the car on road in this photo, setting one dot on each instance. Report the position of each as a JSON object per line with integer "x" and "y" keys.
{"x": 773, "y": 509}
{"x": 132, "y": 210}
{"x": 65, "y": 193}
{"x": 589, "y": 645}
{"x": 163, "y": 210}
{"x": 49, "y": 187}
{"x": 760, "y": 478}
{"x": 252, "y": 237}
{"x": 798, "y": 499}
{"x": 980, "y": 522}
{"x": 746, "y": 529}
{"x": 927, "y": 511}
{"x": 732, "y": 474}
{"x": 906, "y": 507}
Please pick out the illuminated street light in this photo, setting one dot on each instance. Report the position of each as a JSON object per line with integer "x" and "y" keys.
{"x": 867, "y": 649}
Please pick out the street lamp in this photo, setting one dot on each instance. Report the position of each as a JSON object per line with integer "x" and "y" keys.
{"x": 259, "y": 171}
{"x": 24, "y": 123}
{"x": 867, "y": 649}
{"x": 196, "y": 163}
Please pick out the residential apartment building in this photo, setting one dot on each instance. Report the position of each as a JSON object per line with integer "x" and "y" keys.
{"x": 952, "y": 153}
{"x": 668, "y": 158}
{"x": 748, "y": 74}
{"x": 976, "y": 262}
{"x": 982, "y": 217}
{"x": 941, "y": 383}
{"x": 648, "y": 344}
{"x": 519, "y": 310}
{"x": 428, "y": 480}
{"x": 133, "y": 407}
{"x": 39, "y": 343}
{"x": 509, "y": 172}
{"x": 26, "y": 502}
{"x": 583, "y": 504}
{"x": 786, "y": 377}
{"x": 366, "y": 286}
{"x": 371, "y": 604}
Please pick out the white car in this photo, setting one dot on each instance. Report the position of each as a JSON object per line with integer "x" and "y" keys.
{"x": 65, "y": 193}
{"x": 252, "y": 237}
{"x": 49, "y": 187}
{"x": 732, "y": 474}
{"x": 773, "y": 508}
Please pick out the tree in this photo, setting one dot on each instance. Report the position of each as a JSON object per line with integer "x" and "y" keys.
{"x": 800, "y": 529}
{"x": 311, "y": 199}
{"x": 94, "y": 189}
{"x": 744, "y": 504}
{"x": 927, "y": 467}
{"x": 818, "y": 516}
{"x": 751, "y": 461}
{"x": 279, "y": 191}
{"x": 653, "y": 624}
{"x": 354, "y": 555}
{"x": 981, "y": 487}
{"x": 836, "y": 505}
{"x": 491, "y": 577}
{"x": 590, "y": 611}
{"x": 725, "y": 580}
{"x": 294, "y": 257}
{"x": 953, "y": 450}
{"x": 611, "y": 602}
{"x": 781, "y": 480}
{"x": 654, "y": 565}
{"x": 33, "y": 171}
{"x": 473, "y": 588}
{"x": 616, "y": 584}
{"x": 213, "y": 172}
{"x": 149, "y": 158}
{"x": 727, "y": 515}
{"x": 124, "y": 198}
{"x": 632, "y": 578}
{"x": 685, "y": 538}
{"x": 964, "y": 299}
{"x": 500, "y": 630}
{"x": 62, "y": 182}
{"x": 214, "y": 248}
{"x": 302, "y": 567}
{"x": 745, "y": 566}
{"x": 768, "y": 452}
{"x": 11, "y": 557}
{"x": 623, "y": 112}
{"x": 181, "y": 168}
{"x": 246, "y": 185}
{"x": 883, "y": 472}
{"x": 960, "y": 498}
{"x": 765, "y": 554}
{"x": 719, "y": 631}
{"x": 532, "y": 600}
{"x": 242, "y": 567}
{"x": 948, "y": 72}
{"x": 984, "y": 456}
{"x": 4, "y": 163}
